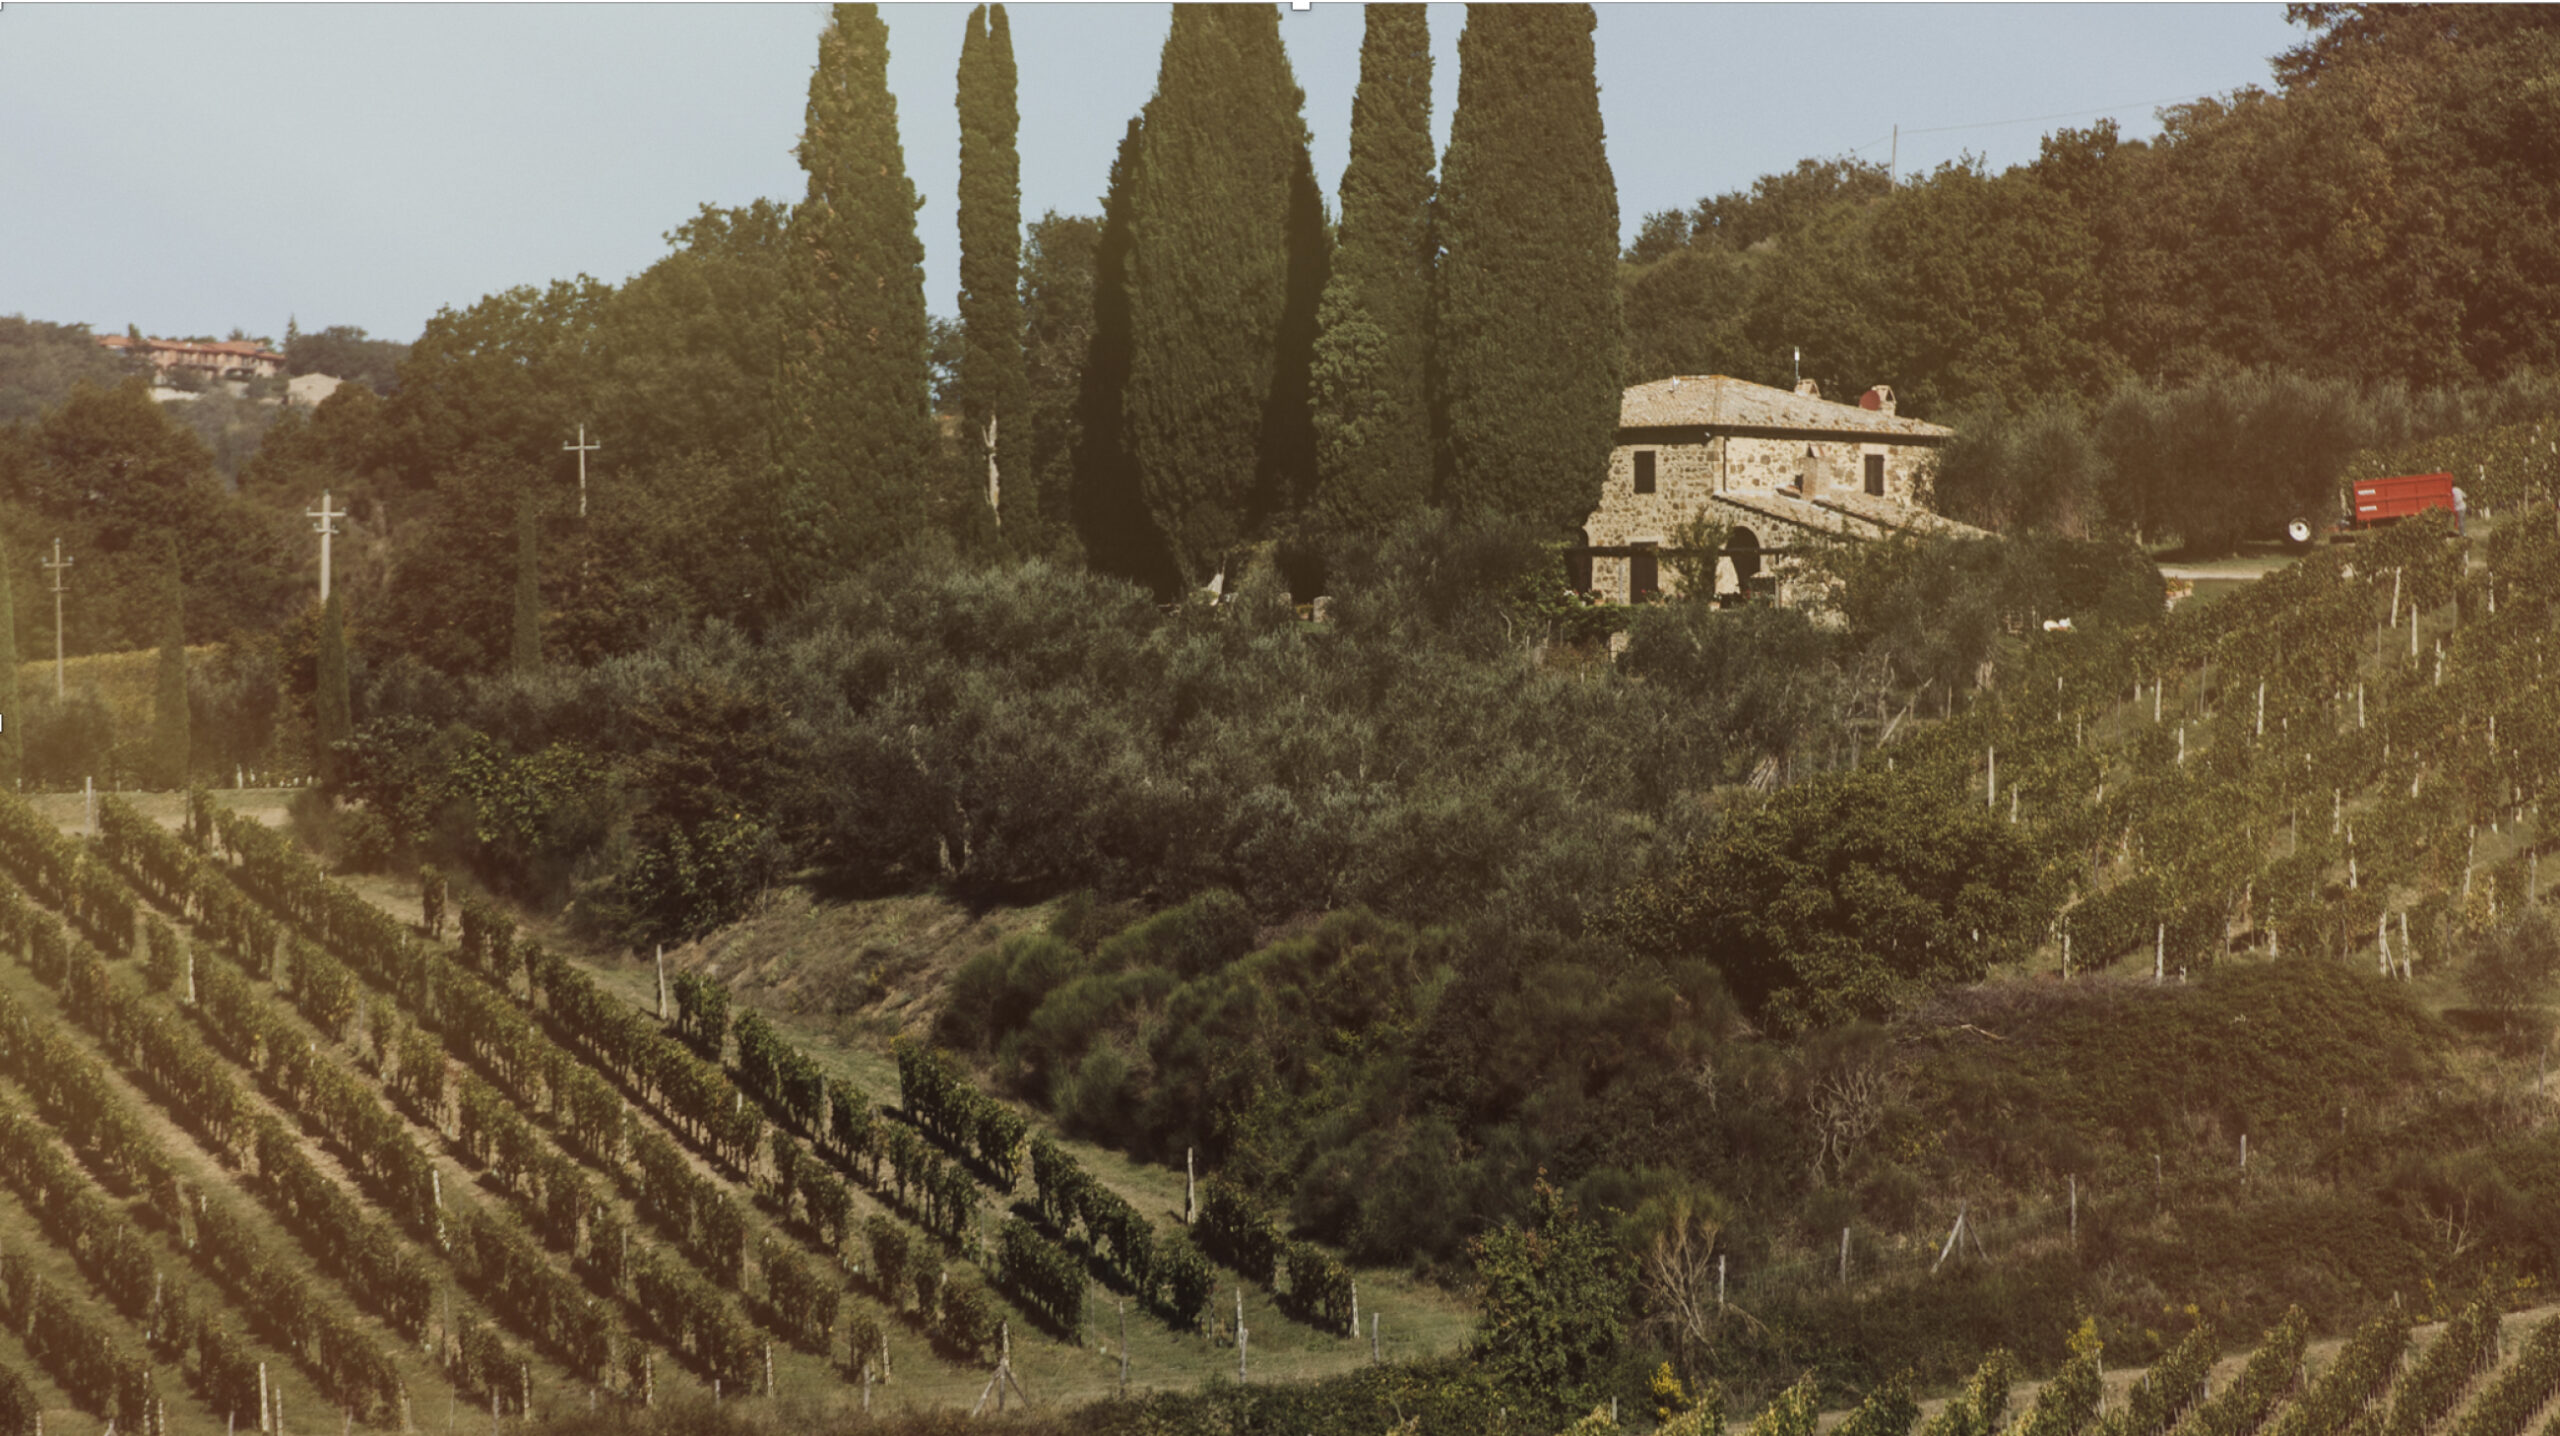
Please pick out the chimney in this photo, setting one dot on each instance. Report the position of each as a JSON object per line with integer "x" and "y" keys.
{"x": 1879, "y": 398}
{"x": 1809, "y": 388}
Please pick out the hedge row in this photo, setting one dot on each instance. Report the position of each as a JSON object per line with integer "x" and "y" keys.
{"x": 343, "y": 1361}
{"x": 18, "y": 1408}
{"x": 1169, "y": 1272}
{"x": 802, "y": 1295}
{"x": 939, "y": 1098}
{"x": 378, "y": 1150}
{"x": 956, "y": 1314}
{"x": 496, "y": 1257}
{"x": 1321, "y": 1290}
{"x": 494, "y": 1135}
{"x": 1239, "y": 1231}
{"x": 695, "y": 1318}
{"x": 381, "y": 1270}
{"x": 1041, "y": 1273}
{"x": 490, "y": 1025}
{"x": 2363, "y": 1371}
{"x": 2435, "y": 1382}
{"x": 63, "y": 877}
{"x": 79, "y": 1351}
{"x": 692, "y": 1210}
{"x": 2521, "y": 1390}
{"x": 530, "y": 1072}
{"x": 2273, "y": 1371}
{"x": 2168, "y": 1389}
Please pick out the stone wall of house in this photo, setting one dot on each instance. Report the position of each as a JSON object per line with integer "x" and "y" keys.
{"x": 1686, "y": 478}
{"x": 1753, "y": 463}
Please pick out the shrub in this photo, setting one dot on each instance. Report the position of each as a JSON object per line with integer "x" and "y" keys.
{"x": 365, "y": 842}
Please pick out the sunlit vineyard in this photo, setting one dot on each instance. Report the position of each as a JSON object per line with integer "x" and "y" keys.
{"x": 2346, "y": 756}
{"x": 283, "y": 1151}
{"x": 2471, "y": 1376}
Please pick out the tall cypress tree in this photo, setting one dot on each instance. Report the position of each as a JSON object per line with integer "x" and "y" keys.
{"x": 855, "y": 449}
{"x": 1372, "y": 392}
{"x": 1120, "y": 536}
{"x": 1226, "y": 261}
{"x": 1525, "y": 332}
{"x": 331, "y": 712}
{"x": 994, "y": 405}
{"x": 525, "y": 654}
{"x": 169, "y": 741}
{"x": 12, "y": 740}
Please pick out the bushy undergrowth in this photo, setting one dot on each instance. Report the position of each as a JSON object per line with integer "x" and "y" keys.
{"x": 1439, "y": 749}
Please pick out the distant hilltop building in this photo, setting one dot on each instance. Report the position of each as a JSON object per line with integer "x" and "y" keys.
{"x": 1775, "y": 466}
{"x": 309, "y": 390}
{"x": 229, "y": 359}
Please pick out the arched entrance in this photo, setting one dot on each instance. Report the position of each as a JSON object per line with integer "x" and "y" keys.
{"x": 1739, "y": 566}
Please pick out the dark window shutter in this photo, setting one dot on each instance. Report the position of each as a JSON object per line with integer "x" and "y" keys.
{"x": 1644, "y": 471}
{"x": 1875, "y": 475}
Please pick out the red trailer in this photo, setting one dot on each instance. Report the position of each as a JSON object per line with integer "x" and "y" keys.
{"x": 2382, "y": 501}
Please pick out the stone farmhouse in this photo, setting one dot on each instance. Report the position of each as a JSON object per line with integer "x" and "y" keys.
{"x": 230, "y": 359}
{"x": 1778, "y": 467}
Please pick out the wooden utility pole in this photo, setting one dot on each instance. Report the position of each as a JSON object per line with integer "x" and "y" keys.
{"x": 57, "y": 563}
{"x": 325, "y": 524}
{"x": 582, "y": 448}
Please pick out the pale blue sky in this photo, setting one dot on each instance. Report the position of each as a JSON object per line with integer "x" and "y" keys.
{"x": 189, "y": 168}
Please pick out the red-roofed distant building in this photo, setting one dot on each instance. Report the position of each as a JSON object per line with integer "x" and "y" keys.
{"x": 230, "y": 359}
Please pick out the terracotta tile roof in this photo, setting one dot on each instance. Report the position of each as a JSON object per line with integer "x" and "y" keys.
{"x": 240, "y": 348}
{"x": 1852, "y": 515}
{"x": 1716, "y": 402}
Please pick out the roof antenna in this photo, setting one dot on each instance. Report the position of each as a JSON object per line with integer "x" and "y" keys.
{"x": 1799, "y": 363}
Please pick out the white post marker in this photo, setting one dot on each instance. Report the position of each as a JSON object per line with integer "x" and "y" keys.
{"x": 324, "y": 522}
{"x": 582, "y": 449}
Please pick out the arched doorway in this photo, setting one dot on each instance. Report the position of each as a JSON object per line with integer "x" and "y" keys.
{"x": 1739, "y": 566}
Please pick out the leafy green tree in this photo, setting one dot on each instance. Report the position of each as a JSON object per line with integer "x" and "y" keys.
{"x": 1684, "y": 316}
{"x": 2038, "y": 470}
{"x": 1775, "y": 206}
{"x": 525, "y": 654}
{"x": 855, "y": 441}
{"x": 169, "y": 748}
{"x": 1553, "y": 1310}
{"x": 992, "y": 383}
{"x": 113, "y": 475}
{"x": 1226, "y": 261}
{"x": 1990, "y": 289}
{"x": 332, "y": 713}
{"x": 1526, "y": 394}
{"x": 1372, "y": 389}
{"x": 2229, "y": 458}
{"x": 343, "y": 351}
{"x": 686, "y": 350}
{"x": 41, "y": 363}
{"x": 1848, "y": 897}
{"x": 333, "y": 446}
{"x": 507, "y": 380}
